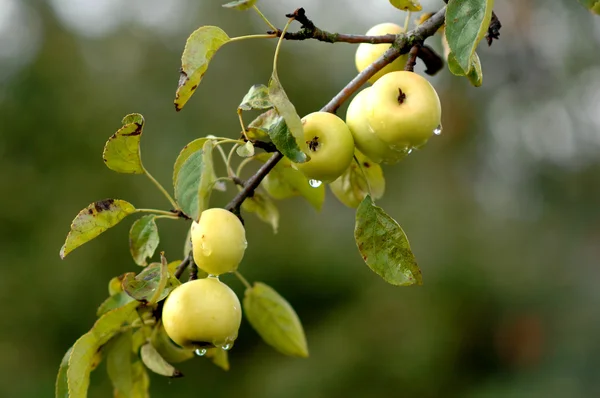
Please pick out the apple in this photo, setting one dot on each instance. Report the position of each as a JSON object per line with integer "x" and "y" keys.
{"x": 330, "y": 145}
{"x": 365, "y": 138}
{"x": 202, "y": 313}
{"x": 403, "y": 109}
{"x": 367, "y": 53}
{"x": 218, "y": 241}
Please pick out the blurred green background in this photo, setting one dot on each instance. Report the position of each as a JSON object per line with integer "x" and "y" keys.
{"x": 501, "y": 209}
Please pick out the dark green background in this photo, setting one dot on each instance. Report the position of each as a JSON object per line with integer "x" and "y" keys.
{"x": 501, "y": 209}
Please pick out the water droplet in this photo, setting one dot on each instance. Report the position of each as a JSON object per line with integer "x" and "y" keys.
{"x": 226, "y": 347}
{"x": 438, "y": 130}
{"x": 200, "y": 352}
{"x": 315, "y": 183}
{"x": 409, "y": 151}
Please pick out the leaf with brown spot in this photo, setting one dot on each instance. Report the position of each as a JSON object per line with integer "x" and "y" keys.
{"x": 384, "y": 246}
{"x": 122, "y": 150}
{"x": 93, "y": 220}
{"x": 200, "y": 47}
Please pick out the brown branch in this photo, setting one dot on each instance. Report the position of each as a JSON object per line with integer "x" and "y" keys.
{"x": 401, "y": 45}
{"x": 310, "y": 31}
{"x": 433, "y": 62}
{"x": 412, "y": 58}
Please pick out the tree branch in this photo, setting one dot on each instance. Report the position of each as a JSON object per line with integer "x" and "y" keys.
{"x": 401, "y": 45}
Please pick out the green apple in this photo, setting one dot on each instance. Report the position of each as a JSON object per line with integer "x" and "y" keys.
{"x": 403, "y": 109}
{"x": 330, "y": 144}
{"x": 365, "y": 138}
{"x": 367, "y": 53}
{"x": 218, "y": 241}
{"x": 202, "y": 313}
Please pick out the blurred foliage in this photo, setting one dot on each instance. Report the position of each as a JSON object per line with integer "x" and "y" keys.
{"x": 501, "y": 210}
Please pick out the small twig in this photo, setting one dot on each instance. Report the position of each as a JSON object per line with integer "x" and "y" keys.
{"x": 265, "y": 146}
{"x": 181, "y": 267}
{"x": 412, "y": 58}
{"x": 193, "y": 271}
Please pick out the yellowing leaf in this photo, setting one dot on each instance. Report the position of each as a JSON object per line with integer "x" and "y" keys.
{"x": 140, "y": 382}
{"x": 143, "y": 239}
{"x": 93, "y": 220}
{"x": 114, "y": 301}
{"x": 200, "y": 47}
{"x": 384, "y": 246}
{"x": 475, "y": 76}
{"x": 264, "y": 208}
{"x": 61, "y": 387}
{"x": 284, "y": 182}
{"x": 246, "y": 150}
{"x": 258, "y": 129}
{"x": 275, "y": 320}
{"x": 240, "y": 4}
{"x": 286, "y": 109}
{"x": 118, "y": 363}
{"x": 256, "y": 98}
{"x": 156, "y": 363}
{"x": 168, "y": 350}
{"x": 407, "y": 5}
{"x": 351, "y": 187}
{"x": 467, "y": 21}
{"x": 122, "y": 150}
{"x": 81, "y": 360}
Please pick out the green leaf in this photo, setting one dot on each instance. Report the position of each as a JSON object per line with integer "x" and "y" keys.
{"x": 592, "y": 5}
{"x": 194, "y": 179}
{"x": 122, "y": 150}
{"x": 256, "y": 98}
{"x": 156, "y": 363}
{"x": 475, "y": 76}
{"x": 351, "y": 187}
{"x": 285, "y": 142}
{"x": 219, "y": 357}
{"x": 207, "y": 178}
{"x": 114, "y": 301}
{"x": 284, "y": 182}
{"x": 152, "y": 285}
{"x": 62, "y": 388}
{"x": 118, "y": 363}
{"x": 407, "y": 5}
{"x": 246, "y": 150}
{"x": 82, "y": 359}
{"x": 200, "y": 47}
{"x": 93, "y": 220}
{"x": 185, "y": 153}
{"x": 140, "y": 382}
{"x": 286, "y": 109}
{"x": 143, "y": 239}
{"x": 275, "y": 320}
{"x": 467, "y": 21}
{"x": 264, "y": 208}
{"x": 240, "y": 4}
{"x": 384, "y": 246}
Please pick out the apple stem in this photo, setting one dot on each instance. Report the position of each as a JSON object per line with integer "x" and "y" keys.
{"x": 401, "y": 96}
